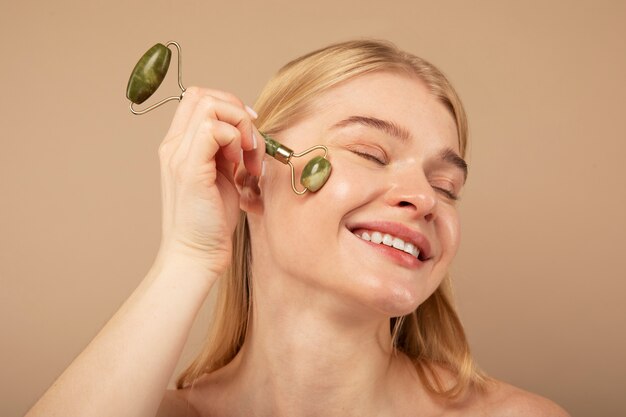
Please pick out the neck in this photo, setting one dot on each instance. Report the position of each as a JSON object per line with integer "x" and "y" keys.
{"x": 304, "y": 356}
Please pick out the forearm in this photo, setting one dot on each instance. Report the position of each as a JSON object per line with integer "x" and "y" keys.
{"x": 126, "y": 367}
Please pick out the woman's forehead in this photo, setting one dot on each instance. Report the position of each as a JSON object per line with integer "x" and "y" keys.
{"x": 394, "y": 103}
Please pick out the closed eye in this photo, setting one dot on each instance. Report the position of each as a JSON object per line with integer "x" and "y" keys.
{"x": 447, "y": 193}
{"x": 369, "y": 156}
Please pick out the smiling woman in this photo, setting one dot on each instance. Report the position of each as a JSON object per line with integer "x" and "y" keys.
{"x": 378, "y": 103}
{"x": 332, "y": 301}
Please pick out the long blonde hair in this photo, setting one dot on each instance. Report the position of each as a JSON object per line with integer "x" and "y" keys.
{"x": 432, "y": 334}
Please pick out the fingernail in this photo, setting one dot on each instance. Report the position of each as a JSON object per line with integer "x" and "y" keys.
{"x": 262, "y": 168}
{"x": 253, "y": 139}
{"x": 251, "y": 112}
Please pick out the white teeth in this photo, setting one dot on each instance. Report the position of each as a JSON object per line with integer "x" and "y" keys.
{"x": 387, "y": 239}
{"x": 408, "y": 248}
{"x": 398, "y": 243}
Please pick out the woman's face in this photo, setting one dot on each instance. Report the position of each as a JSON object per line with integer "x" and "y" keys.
{"x": 393, "y": 148}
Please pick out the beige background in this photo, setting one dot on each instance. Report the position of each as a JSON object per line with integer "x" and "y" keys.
{"x": 540, "y": 276}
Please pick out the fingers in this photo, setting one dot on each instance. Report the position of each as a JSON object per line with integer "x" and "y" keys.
{"x": 187, "y": 106}
{"x": 253, "y": 160}
{"x": 210, "y": 114}
{"x": 209, "y": 108}
{"x": 226, "y": 137}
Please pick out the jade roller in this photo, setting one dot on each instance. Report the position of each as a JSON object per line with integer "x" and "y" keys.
{"x": 148, "y": 75}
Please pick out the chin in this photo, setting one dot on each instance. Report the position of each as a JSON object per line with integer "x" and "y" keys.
{"x": 398, "y": 300}
{"x": 395, "y": 298}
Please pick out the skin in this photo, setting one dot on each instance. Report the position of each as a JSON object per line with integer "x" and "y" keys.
{"x": 319, "y": 342}
{"x": 351, "y": 284}
{"x": 125, "y": 369}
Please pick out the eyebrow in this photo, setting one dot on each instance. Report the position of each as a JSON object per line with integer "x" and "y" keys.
{"x": 447, "y": 155}
{"x": 386, "y": 126}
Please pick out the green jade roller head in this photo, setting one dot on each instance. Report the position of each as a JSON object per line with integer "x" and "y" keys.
{"x": 148, "y": 75}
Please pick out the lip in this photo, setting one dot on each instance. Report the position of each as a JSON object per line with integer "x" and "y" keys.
{"x": 401, "y": 258}
{"x": 398, "y": 230}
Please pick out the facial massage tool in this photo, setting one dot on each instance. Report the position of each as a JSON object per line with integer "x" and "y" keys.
{"x": 148, "y": 75}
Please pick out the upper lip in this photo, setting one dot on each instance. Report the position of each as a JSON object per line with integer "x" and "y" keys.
{"x": 405, "y": 233}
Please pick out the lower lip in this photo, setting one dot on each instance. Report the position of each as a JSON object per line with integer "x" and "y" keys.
{"x": 400, "y": 257}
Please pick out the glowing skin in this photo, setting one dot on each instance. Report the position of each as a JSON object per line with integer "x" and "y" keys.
{"x": 307, "y": 239}
{"x": 319, "y": 338}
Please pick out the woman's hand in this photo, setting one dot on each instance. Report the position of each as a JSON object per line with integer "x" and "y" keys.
{"x": 144, "y": 339}
{"x": 210, "y": 132}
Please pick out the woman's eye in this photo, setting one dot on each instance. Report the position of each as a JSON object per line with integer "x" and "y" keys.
{"x": 370, "y": 157}
{"x": 447, "y": 193}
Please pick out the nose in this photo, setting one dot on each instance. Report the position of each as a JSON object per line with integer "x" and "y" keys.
{"x": 413, "y": 194}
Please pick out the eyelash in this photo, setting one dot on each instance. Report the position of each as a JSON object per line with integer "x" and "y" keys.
{"x": 371, "y": 157}
{"x": 448, "y": 193}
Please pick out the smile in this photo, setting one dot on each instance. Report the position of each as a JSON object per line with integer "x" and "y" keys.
{"x": 403, "y": 253}
{"x": 389, "y": 240}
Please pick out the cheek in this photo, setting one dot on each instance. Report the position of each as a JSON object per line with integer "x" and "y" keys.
{"x": 341, "y": 187}
{"x": 449, "y": 230}
{"x": 313, "y": 223}
{"x": 297, "y": 225}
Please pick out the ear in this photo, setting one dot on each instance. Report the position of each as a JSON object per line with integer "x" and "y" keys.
{"x": 250, "y": 197}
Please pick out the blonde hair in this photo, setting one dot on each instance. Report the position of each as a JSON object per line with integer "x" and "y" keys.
{"x": 430, "y": 336}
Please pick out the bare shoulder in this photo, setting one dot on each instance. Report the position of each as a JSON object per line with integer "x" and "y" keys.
{"x": 176, "y": 404}
{"x": 505, "y": 400}
{"x": 498, "y": 399}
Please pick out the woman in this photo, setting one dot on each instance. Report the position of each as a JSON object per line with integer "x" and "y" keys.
{"x": 331, "y": 303}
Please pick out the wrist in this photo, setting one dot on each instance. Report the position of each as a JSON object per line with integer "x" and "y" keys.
{"x": 184, "y": 266}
